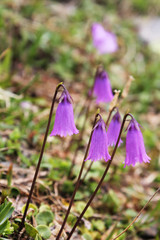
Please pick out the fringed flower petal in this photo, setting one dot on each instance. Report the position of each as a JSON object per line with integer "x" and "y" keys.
{"x": 135, "y": 149}
{"x": 64, "y": 120}
{"x": 98, "y": 148}
{"x": 102, "y": 87}
{"x": 114, "y": 129}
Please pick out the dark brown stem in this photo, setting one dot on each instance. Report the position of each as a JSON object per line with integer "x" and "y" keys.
{"x": 89, "y": 167}
{"x": 107, "y": 121}
{"x": 137, "y": 215}
{"x": 41, "y": 155}
{"x": 78, "y": 181}
{"x": 100, "y": 182}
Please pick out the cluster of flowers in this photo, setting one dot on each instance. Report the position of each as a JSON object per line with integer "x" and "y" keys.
{"x": 64, "y": 125}
{"x": 104, "y": 42}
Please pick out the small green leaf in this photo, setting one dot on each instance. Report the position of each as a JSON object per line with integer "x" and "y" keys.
{"x": 8, "y": 229}
{"x": 14, "y": 192}
{"x": 98, "y": 225}
{"x": 130, "y": 213}
{"x": 79, "y": 195}
{"x": 111, "y": 200}
{"x": 30, "y": 230}
{"x": 44, "y": 231}
{"x": 80, "y": 206}
{"x": 86, "y": 236}
{"x": 33, "y": 207}
{"x": 44, "y": 207}
{"x": 6, "y": 212}
{"x": 15, "y": 226}
{"x": 38, "y": 237}
{"x": 15, "y": 135}
{"x": 68, "y": 187}
{"x": 3, "y": 226}
{"x": 44, "y": 218}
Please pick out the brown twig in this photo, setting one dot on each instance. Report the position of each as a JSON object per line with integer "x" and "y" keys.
{"x": 137, "y": 215}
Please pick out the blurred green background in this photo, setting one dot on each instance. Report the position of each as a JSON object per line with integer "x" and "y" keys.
{"x": 45, "y": 42}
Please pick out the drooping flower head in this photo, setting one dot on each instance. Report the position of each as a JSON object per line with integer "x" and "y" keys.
{"x": 64, "y": 119}
{"x": 102, "y": 87}
{"x": 114, "y": 129}
{"x": 135, "y": 149}
{"x": 103, "y": 41}
{"x": 98, "y": 148}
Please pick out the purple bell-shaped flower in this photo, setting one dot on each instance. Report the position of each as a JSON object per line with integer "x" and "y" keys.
{"x": 103, "y": 41}
{"x": 64, "y": 120}
{"x": 98, "y": 148}
{"x": 102, "y": 87}
{"x": 135, "y": 149}
{"x": 114, "y": 129}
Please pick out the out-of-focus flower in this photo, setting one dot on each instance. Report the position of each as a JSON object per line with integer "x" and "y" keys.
{"x": 103, "y": 41}
{"x": 135, "y": 149}
{"x": 114, "y": 129}
{"x": 27, "y": 107}
{"x": 98, "y": 148}
{"x": 64, "y": 119}
{"x": 102, "y": 87}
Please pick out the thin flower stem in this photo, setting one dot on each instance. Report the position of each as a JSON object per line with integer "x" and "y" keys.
{"x": 79, "y": 142}
{"x": 82, "y": 132}
{"x": 41, "y": 155}
{"x": 89, "y": 167}
{"x": 109, "y": 115}
{"x": 101, "y": 180}
{"x": 137, "y": 215}
{"x": 107, "y": 121}
{"x": 78, "y": 181}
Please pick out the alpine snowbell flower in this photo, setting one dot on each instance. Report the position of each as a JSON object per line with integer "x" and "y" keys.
{"x": 64, "y": 119}
{"x": 103, "y": 41}
{"x": 98, "y": 148}
{"x": 114, "y": 129}
{"x": 102, "y": 87}
{"x": 135, "y": 149}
